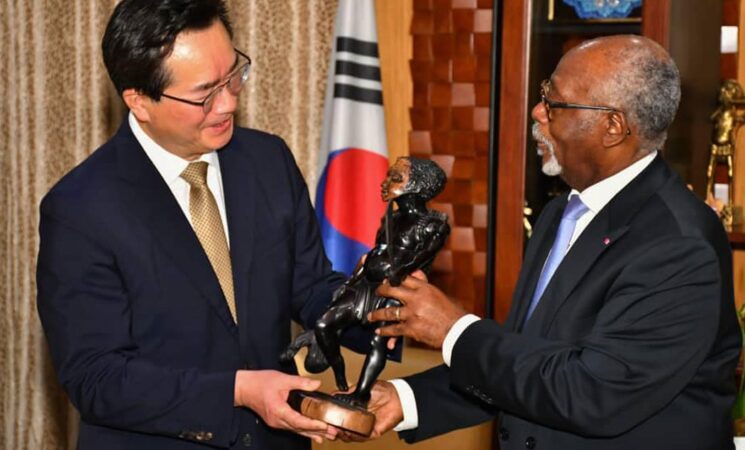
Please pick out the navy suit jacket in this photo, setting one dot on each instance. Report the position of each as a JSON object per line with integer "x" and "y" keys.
{"x": 137, "y": 325}
{"x": 632, "y": 346}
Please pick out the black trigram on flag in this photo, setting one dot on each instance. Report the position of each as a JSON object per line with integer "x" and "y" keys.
{"x": 357, "y": 71}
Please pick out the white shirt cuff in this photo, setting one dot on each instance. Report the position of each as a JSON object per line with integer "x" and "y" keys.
{"x": 408, "y": 405}
{"x": 452, "y": 337}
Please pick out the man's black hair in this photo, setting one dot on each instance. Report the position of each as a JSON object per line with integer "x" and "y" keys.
{"x": 140, "y": 36}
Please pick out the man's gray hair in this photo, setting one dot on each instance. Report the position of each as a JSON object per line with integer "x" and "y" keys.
{"x": 647, "y": 88}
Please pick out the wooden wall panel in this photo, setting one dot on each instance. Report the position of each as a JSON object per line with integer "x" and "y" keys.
{"x": 739, "y": 175}
{"x": 450, "y": 69}
{"x": 514, "y": 115}
{"x": 730, "y": 17}
{"x": 394, "y": 43}
{"x": 657, "y": 23}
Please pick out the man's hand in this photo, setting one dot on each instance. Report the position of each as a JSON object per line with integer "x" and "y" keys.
{"x": 266, "y": 392}
{"x": 426, "y": 316}
{"x": 386, "y": 406}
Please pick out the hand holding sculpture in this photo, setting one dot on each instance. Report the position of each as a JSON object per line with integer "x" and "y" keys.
{"x": 265, "y": 392}
{"x": 427, "y": 314}
{"x": 386, "y": 405}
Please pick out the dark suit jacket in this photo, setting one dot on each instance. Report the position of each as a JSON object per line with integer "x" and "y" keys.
{"x": 633, "y": 345}
{"x": 137, "y": 325}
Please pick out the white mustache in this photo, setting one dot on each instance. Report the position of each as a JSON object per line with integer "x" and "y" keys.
{"x": 552, "y": 166}
{"x": 537, "y": 136}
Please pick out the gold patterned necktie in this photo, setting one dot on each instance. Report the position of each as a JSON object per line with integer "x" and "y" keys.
{"x": 205, "y": 218}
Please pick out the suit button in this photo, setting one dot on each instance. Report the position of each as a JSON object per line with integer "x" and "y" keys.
{"x": 504, "y": 434}
{"x": 246, "y": 440}
{"x": 530, "y": 442}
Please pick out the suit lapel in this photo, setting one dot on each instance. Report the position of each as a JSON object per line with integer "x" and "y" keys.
{"x": 604, "y": 231}
{"x": 594, "y": 241}
{"x": 240, "y": 204}
{"x": 149, "y": 197}
{"x": 535, "y": 256}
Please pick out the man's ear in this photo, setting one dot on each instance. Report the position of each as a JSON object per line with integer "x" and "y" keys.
{"x": 138, "y": 103}
{"x": 617, "y": 129}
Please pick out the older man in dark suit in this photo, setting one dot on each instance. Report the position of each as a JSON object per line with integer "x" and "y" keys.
{"x": 173, "y": 259}
{"x": 622, "y": 332}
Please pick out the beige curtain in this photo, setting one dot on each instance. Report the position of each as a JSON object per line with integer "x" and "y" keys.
{"x": 289, "y": 42}
{"x": 57, "y": 105}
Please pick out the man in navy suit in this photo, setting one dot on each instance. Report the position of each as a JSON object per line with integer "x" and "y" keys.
{"x": 622, "y": 332}
{"x": 165, "y": 332}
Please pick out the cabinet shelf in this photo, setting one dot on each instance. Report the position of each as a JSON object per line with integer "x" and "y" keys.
{"x": 588, "y": 28}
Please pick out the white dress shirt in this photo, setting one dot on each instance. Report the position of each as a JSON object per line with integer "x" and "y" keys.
{"x": 595, "y": 198}
{"x": 170, "y": 167}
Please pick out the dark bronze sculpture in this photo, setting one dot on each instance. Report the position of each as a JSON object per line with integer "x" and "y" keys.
{"x": 408, "y": 239}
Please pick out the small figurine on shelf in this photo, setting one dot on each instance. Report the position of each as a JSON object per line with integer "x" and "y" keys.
{"x": 727, "y": 118}
{"x": 408, "y": 240}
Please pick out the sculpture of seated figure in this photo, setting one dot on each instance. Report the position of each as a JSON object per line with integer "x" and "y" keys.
{"x": 408, "y": 239}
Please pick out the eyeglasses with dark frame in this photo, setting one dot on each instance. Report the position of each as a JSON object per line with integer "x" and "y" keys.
{"x": 234, "y": 83}
{"x": 550, "y": 104}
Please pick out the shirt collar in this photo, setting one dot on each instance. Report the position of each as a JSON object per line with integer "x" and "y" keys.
{"x": 601, "y": 193}
{"x": 169, "y": 165}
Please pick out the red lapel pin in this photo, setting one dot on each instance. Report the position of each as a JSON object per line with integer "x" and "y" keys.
{"x": 606, "y": 241}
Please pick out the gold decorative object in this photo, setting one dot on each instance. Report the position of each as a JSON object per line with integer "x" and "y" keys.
{"x": 727, "y": 118}
{"x": 527, "y": 212}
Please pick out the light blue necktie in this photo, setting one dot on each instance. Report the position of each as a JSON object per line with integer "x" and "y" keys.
{"x": 573, "y": 211}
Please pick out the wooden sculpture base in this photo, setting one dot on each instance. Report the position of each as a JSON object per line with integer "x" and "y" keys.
{"x": 324, "y": 407}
